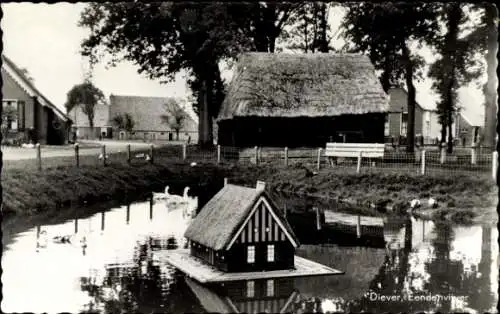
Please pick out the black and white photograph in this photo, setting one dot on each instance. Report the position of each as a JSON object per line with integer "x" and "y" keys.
{"x": 249, "y": 157}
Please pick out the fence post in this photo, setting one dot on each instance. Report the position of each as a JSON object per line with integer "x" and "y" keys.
{"x": 422, "y": 171}
{"x": 358, "y": 227}
{"x": 442, "y": 157}
{"x": 494, "y": 165}
{"x": 358, "y": 168}
{"x": 286, "y": 156}
{"x": 103, "y": 153}
{"x": 319, "y": 158}
{"x": 184, "y": 151}
{"x": 473, "y": 154}
{"x": 39, "y": 156}
{"x": 318, "y": 219}
{"x": 129, "y": 154}
{"x": 218, "y": 154}
{"x": 151, "y": 152}
{"x": 256, "y": 155}
{"x": 77, "y": 155}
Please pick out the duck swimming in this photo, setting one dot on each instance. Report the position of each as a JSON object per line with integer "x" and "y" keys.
{"x": 162, "y": 196}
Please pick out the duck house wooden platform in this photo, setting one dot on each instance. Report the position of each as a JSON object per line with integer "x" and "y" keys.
{"x": 204, "y": 273}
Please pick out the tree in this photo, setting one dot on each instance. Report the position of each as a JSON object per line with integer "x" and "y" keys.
{"x": 371, "y": 29}
{"x": 309, "y": 30}
{"x": 124, "y": 122}
{"x": 485, "y": 37}
{"x": 86, "y": 96}
{"x": 454, "y": 68}
{"x": 164, "y": 38}
{"x": 175, "y": 117}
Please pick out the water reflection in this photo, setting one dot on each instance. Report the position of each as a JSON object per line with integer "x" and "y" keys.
{"x": 109, "y": 265}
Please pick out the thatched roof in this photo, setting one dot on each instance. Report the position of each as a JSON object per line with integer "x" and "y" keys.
{"x": 221, "y": 217}
{"x": 147, "y": 112}
{"x": 303, "y": 85}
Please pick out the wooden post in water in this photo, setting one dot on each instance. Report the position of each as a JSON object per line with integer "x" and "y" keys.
{"x": 151, "y": 208}
{"x": 286, "y": 156}
{"x": 128, "y": 214}
{"x": 103, "y": 153}
{"x": 103, "y": 214}
{"x": 76, "y": 225}
{"x": 256, "y": 155}
{"x": 38, "y": 230}
{"x": 39, "y": 156}
{"x": 358, "y": 227}
{"x": 218, "y": 154}
{"x": 77, "y": 155}
{"x": 184, "y": 151}
{"x": 358, "y": 168}
{"x": 422, "y": 170}
{"x": 129, "y": 154}
{"x": 318, "y": 218}
{"x": 319, "y": 158}
{"x": 151, "y": 153}
{"x": 423, "y": 230}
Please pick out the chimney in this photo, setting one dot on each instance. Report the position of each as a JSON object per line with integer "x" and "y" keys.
{"x": 261, "y": 186}
{"x": 225, "y": 181}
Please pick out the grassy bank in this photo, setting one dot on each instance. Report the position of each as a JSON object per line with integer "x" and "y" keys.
{"x": 54, "y": 189}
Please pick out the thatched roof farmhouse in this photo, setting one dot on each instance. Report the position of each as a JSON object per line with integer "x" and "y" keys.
{"x": 302, "y": 100}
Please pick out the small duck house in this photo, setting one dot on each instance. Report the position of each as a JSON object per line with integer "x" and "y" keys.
{"x": 240, "y": 229}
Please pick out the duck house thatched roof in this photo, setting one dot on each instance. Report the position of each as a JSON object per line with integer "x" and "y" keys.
{"x": 222, "y": 216}
{"x": 303, "y": 85}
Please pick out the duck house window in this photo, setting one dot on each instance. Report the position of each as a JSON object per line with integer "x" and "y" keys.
{"x": 270, "y": 253}
{"x": 250, "y": 289}
{"x": 250, "y": 254}
{"x": 270, "y": 288}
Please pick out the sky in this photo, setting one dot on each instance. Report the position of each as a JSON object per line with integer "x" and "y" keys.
{"x": 45, "y": 39}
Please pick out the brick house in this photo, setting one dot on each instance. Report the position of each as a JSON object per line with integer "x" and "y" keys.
{"x": 28, "y": 116}
{"x": 468, "y": 129}
{"x": 426, "y": 121}
{"x": 148, "y": 125}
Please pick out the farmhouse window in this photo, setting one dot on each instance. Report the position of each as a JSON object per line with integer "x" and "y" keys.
{"x": 404, "y": 123}
{"x": 270, "y": 253}
{"x": 11, "y": 115}
{"x": 250, "y": 289}
{"x": 270, "y": 288}
{"x": 250, "y": 254}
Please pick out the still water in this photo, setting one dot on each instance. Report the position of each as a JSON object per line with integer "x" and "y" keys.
{"x": 106, "y": 263}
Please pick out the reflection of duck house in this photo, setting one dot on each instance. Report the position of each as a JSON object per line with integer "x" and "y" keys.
{"x": 239, "y": 234}
{"x": 261, "y": 296}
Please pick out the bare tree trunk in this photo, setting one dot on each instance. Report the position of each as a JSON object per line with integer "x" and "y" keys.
{"x": 450, "y": 135}
{"x": 490, "y": 117}
{"x": 410, "y": 134}
{"x": 205, "y": 123}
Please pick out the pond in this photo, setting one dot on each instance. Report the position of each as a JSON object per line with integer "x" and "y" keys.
{"x": 106, "y": 262}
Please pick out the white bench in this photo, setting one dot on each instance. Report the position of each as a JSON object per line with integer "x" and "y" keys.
{"x": 353, "y": 150}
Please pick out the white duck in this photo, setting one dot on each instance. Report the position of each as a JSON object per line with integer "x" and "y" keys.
{"x": 432, "y": 203}
{"x": 162, "y": 196}
{"x": 189, "y": 210}
{"x": 175, "y": 201}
